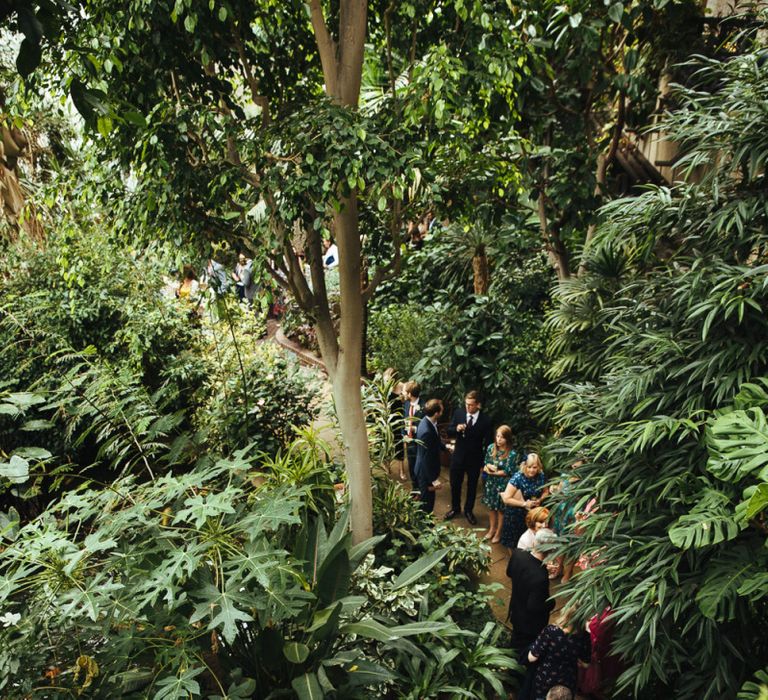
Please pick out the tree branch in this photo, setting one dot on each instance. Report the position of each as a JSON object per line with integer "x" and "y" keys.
{"x": 326, "y": 46}
{"x": 393, "y": 267}
{"x": 253, "y": 84}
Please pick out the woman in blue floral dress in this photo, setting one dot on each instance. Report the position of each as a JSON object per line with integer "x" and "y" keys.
{"x": 500, "y": 460}
{"x": 525, "y": 490}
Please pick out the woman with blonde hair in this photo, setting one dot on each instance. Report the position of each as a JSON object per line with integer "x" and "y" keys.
{"x": 500, "y": 461}
{"x": 525, "y": 490}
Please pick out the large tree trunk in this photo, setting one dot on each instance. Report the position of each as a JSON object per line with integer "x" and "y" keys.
{"x": 481, "y": 275}
{"x": 346, "y": 383}
{"x": 342, "y": 62}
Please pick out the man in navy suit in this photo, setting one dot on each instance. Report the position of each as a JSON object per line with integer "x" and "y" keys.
{"x": 428, "y": 448}
{"x": 473, "y": 431}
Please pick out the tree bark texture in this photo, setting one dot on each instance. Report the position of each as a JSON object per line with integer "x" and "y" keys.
{"x": 342, "y": 64}
{"x": 481, "y": 274}
{"x": 13, "y": 202}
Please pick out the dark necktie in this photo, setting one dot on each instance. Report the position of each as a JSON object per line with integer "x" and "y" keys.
{"x": 470, "y": 421}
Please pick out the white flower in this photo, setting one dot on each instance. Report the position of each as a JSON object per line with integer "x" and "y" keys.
{"x": 10, "y": 619}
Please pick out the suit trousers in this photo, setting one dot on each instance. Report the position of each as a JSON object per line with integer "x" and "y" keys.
{"x": 411, "y": 450}
{"x": 458, "y": 471}
{"x": 426, "y": 496}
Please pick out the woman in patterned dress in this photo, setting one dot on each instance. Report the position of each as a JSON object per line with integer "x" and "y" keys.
{"x": 525, "y": 490}
{"x": 499, "y": 462}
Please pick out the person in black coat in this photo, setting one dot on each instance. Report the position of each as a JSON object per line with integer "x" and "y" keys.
{"x": 473, "y": 431}
{"x": 530, "y": 606}
{"x": 429, "y": 445}
{"x": 413, "y": 412}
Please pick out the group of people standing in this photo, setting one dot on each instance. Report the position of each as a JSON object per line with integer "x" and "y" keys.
{"x": 510, "y": 488}
{"x": 513, "y": 489}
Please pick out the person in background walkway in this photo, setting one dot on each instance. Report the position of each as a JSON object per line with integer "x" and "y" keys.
{"x": 216, "y": 277}
{"x": 557, "y": 653}
{"x": 473, "y": 431}
{"x": 413, "y": 412}
{"x": 500, "y": 462}
{"x": 429, "y": 445}
{"x": 243, "y": 277}
{"x": 529, "y": 606}
{"x": 189, "y": 286}
{"x": 535, "y": 520}
{"x": 524, "y": 491}
{"x": 331, "y": 255}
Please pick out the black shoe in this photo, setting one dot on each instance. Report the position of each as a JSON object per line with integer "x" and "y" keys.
{"x": 451, "y": 514}
{"x": 470, "y": 516}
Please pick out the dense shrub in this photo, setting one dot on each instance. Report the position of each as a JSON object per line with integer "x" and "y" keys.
{"x": 253, "y": 392}
{"x": 662, "y": 354}
{"x": 193, "y": 584}
{"x": 397, "y": 336}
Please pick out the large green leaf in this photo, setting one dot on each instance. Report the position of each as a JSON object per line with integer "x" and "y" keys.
{"x": 725, "y": 574}
{"x": 222, "y": 607}
{"x": 296, "y": 652}
{"x": 307, "y": 687}
{"x": 333, "y": 577}
{"x": 711, "y": 521}
{"x": 738, "y": 444}
{"x": 415, "y": 571}
{"x": 16, "y": 470}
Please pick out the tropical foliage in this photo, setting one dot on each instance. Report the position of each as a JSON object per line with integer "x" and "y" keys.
{"x": 661, "y": 362}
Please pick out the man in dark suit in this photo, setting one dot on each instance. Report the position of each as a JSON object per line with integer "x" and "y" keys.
{"x": 428, "y": 449}
{"x": 413, "y": 412}
{"x": 530, "y": 605}
{"x": 473, "y": 431}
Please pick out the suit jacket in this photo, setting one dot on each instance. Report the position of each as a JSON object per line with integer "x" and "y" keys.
{"x": 472, "y": 444}
{"x": 529, "y": 606}
{"x": 418, "y": 415}
{"x": 429, "y": 444}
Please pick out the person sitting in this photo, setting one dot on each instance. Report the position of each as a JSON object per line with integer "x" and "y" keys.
{"x": 535, "y": 520}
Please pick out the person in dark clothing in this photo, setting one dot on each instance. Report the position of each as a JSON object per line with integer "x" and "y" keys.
{"x": 473, "y": 431}
{"x": 529, "y": 606}
{"x": 428, "y": 454}
{"x": 557, "y": 653}
{"x": 413, "y": 412}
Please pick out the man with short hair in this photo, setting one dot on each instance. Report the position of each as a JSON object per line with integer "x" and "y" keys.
{"x": 473, "y": 431}
{"x": 429, "y": 445}
{"x": 413, "y": 412}
{"x": 529, "y": 606}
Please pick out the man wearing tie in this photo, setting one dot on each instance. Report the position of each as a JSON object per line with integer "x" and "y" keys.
{"x": 413, "y": 412}
{"x": 473, "y": 431}
{"x": 428, "y": 448}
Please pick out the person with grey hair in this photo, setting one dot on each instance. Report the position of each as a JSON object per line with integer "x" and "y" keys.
{"x": 530, "y": 605}
{"x": 560, "y": 692}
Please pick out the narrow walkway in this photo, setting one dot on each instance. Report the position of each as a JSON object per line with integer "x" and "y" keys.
{"x": 497, "y": 573}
